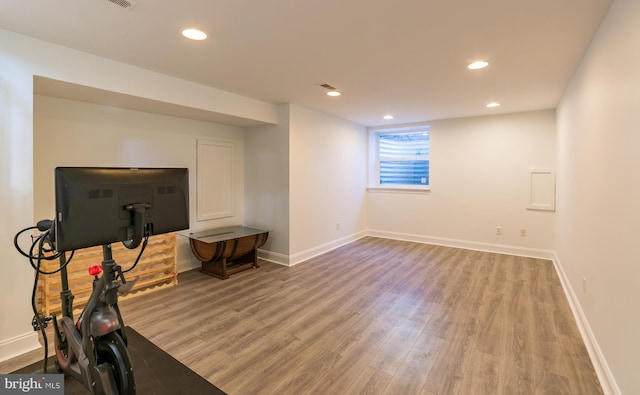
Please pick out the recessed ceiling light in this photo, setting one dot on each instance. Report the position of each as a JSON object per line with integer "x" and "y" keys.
{"x": 480, "y": 64}
{"x": 493, "y": 104}
{"x": 388, "y": 117}
{"x": 194, "y": 34}
{"x": 334, "y": 93}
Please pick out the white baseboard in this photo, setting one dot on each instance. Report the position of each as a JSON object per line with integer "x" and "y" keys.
{"x": 18, "y": 345}
{"x": 280, "y": 259}
{"x": 292, "y": 260}
{"x": 607, "y": 380}
{"x": 323, "y": 248}
{"x": 467, "y": 245}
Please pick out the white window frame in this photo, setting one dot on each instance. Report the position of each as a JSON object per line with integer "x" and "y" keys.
{"x": 374, "y": 159}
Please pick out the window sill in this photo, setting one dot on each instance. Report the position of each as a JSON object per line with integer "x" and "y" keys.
{"x": 406, "y": 189}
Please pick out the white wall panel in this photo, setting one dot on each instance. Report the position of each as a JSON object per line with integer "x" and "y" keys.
{"x": 598, "y": 209}
{"x": 542, "y": 189}
{"x": 216, "y": 179}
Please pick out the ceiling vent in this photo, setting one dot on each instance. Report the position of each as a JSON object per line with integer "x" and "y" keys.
{"x": 124, "y": 3}
{"x": 327, "y": 86}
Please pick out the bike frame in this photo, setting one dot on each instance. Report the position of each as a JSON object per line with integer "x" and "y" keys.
{"x": 99, "y": 317}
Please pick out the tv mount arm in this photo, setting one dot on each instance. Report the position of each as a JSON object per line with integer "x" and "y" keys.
{"x": 138, "y": 210}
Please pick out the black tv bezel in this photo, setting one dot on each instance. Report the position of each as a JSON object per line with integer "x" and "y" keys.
{"x": 90, "y": 203}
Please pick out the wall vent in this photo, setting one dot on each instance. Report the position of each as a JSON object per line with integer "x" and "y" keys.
{"x": 124, "y": 3}
{"x": 327, "y": 86}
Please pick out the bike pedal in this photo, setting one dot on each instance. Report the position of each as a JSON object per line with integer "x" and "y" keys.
{"x": 40, "y": 322}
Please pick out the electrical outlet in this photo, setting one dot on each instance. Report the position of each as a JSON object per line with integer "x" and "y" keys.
{"x": 499, "y": 230}
{"x": 523, "y": 233}
{"x": 338, "y": 226}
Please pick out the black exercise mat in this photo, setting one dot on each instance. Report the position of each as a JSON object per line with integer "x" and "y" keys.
{"x": 156, "y": 372}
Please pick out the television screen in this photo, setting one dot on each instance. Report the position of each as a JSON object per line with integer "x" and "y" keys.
{"x": 98, "y": 205}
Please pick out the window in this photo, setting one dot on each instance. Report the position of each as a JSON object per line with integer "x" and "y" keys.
{"x": 400, "y": 158}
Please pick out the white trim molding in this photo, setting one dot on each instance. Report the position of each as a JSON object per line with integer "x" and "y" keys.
{"x": 300, "y": 257}
{"x": 323, "y": 248}
{"x": 467, "y": 245}
{"x": 607, "y": 380}
{"x": 275, "y": 257}
{"x": 542, "y": 190}
{"x": 18, "y": 345}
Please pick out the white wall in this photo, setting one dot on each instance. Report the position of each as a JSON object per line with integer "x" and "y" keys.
{"x": 305, "y": 177}
{"x": 16, "y": 205}
{"x": 72, "y": 133}
{"x": 267, "y": 184}
{"x": 327, "y": 182}
{"x": 599, "y": 193}
{"x": 479, "y": 180}
{"x": 22, "y": 58}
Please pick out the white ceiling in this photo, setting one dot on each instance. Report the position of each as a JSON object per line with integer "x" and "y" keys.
{"x": 404, "y": 57}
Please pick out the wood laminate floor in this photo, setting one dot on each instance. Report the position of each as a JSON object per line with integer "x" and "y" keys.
{"x": 376, "y": 316}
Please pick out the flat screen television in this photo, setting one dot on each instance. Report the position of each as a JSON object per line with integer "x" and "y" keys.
{"x": 102, "y": 205}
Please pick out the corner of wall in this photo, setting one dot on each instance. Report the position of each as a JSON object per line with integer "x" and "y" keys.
{"x": 607, "y": 380}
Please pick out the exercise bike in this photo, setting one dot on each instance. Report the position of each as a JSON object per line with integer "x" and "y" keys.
{"x": 92, "y": 349}
{"x": 99, "y": 206}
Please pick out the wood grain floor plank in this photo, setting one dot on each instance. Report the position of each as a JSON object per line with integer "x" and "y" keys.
{"x": 398, "y": 345}
{"x": 369, "y": 382}
{"x": 304, "y": 370}
{"x": 411, "y": 376}
{"x": 483, "y": 377}
{"x": 263, "y": 351}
